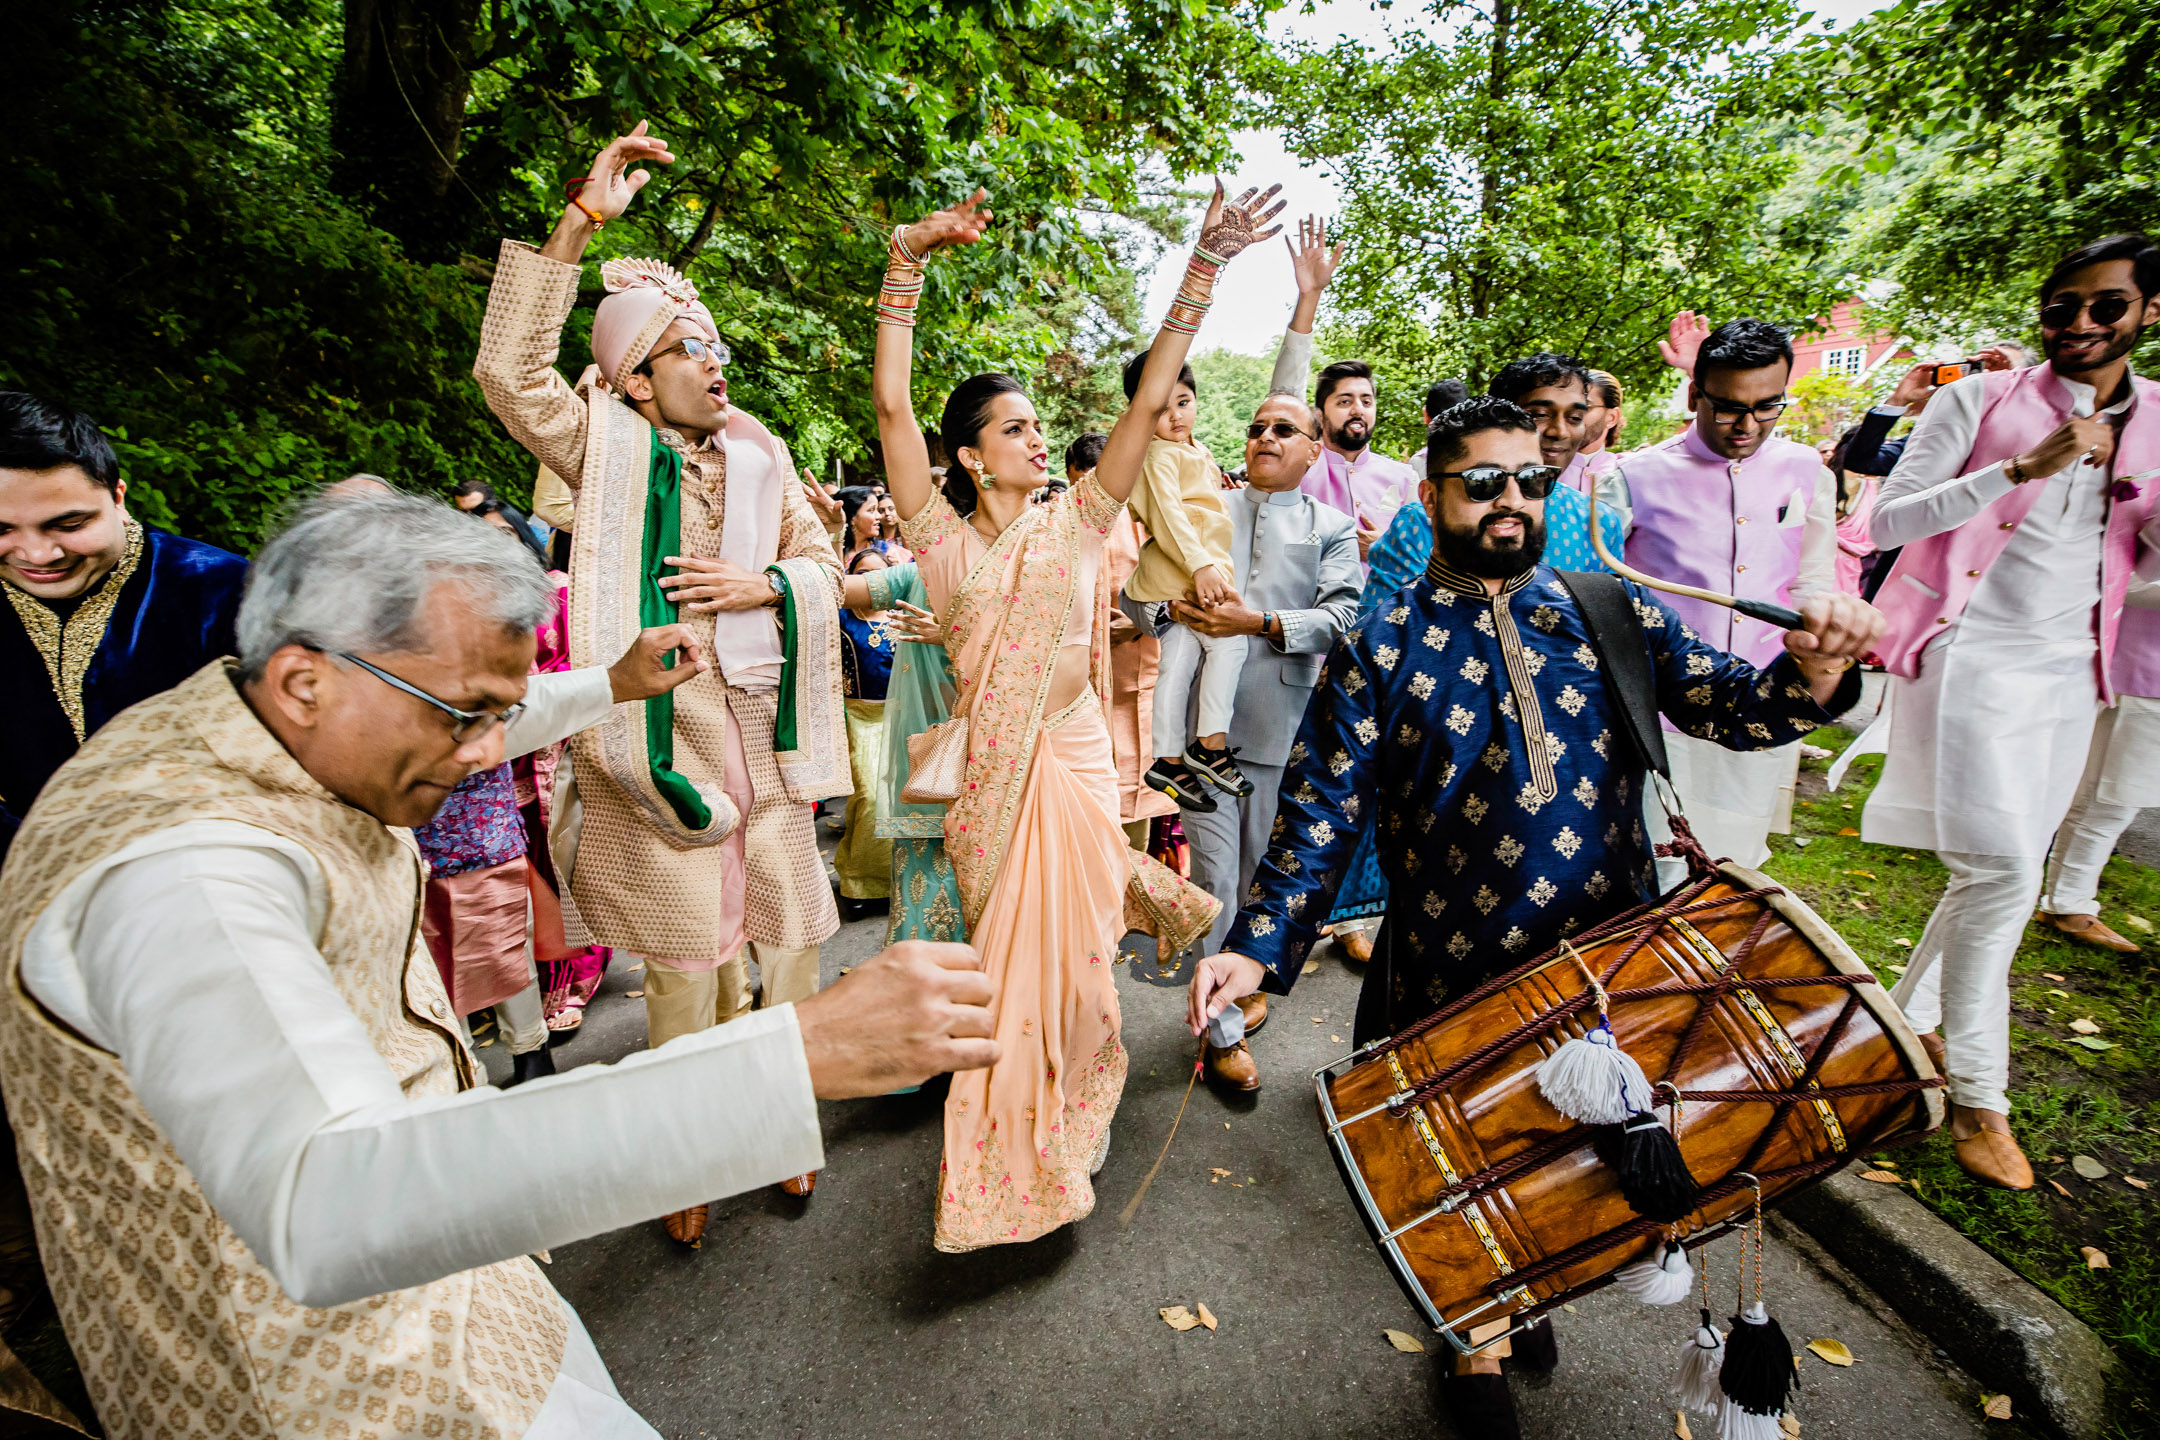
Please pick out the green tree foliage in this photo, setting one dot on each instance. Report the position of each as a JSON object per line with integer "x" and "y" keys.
{"x": 1231, "y": 388}
{"x": 1552, "y": 174}
{"x": 258, "y": 238}
{"x": 2015, "y": 131}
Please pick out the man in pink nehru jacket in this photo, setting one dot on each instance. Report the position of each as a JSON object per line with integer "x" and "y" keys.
{"x": 1728, "y": 506}
{"x": 2028, "y": 504}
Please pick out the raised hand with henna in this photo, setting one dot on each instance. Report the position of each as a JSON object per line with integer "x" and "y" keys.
{"x": 1233, "y": 227}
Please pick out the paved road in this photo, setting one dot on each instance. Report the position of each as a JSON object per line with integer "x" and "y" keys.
{"x": 836, "y": 1317}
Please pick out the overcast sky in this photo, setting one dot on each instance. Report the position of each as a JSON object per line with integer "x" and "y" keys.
{"x": 1254, "y": 298}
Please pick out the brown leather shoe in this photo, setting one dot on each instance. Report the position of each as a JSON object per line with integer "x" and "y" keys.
{"x": 1233, "y": 1069}
{"x": 1255, "y": 1008}
{"x": 1988, "y": 1152}
{"x": 800, "y": 1185}
{"x": 686, "y": 1227}
{"x": 2088, "y": 930}
{"x": 1356, "y": 944}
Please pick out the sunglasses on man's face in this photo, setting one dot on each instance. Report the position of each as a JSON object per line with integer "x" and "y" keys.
{"x": 1281, "y": 430}
{"x": 1489, "y": 482}
{"x": 2104, "y": 310}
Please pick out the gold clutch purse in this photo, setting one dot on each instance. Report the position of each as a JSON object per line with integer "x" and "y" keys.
{"x": 937, "y": 763}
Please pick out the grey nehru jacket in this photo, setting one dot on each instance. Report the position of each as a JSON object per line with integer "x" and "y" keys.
{"x": 1298, "y": 558}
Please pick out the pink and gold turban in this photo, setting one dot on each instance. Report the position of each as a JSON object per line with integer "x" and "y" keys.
{"x": 644, "y": 298}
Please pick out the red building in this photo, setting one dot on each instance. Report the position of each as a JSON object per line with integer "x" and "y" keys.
{"x": 1846, "y": 346}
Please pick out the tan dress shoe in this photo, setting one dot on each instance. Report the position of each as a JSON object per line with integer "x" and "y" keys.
{"x": 1233, "y": 1069}
{"x": 2088, "y": 930}
{"x": 1356, "y": 944}
{"x": 686, "y": 1227}
{"x": 1989, "y": 1152}
{"x": 800, "y": 1185}
{"x": 1255, "y": 1008}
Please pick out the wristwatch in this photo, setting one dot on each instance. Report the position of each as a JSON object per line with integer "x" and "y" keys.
{"x": 779, "y": 588}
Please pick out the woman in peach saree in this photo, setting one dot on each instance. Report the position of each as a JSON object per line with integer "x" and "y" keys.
{"x": 1047, "y": 883}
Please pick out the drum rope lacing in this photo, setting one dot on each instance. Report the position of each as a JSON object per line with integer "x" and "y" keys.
{"x": 1685, "y": 903}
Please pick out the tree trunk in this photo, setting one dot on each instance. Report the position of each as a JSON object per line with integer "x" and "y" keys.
{"x": 400, "y": 118}
{"x": 1489, "y": 189}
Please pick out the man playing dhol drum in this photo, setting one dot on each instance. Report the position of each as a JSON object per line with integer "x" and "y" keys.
{"x": 1482, "y": 718}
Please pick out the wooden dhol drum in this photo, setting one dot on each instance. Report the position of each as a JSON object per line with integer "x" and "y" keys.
{"x": 1490, "y": 1205}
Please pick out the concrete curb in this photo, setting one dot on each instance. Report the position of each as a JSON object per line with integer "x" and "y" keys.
{"x": 1999, "y": 1326}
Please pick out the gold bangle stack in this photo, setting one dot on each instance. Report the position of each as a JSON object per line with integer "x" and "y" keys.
{"x": 1195, "y": 294}
{"x": 903, "y": 286}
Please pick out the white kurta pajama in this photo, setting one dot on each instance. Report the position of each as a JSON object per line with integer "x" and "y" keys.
{"x": 1985, "y": 749}
{"x": 2122, "y": 773}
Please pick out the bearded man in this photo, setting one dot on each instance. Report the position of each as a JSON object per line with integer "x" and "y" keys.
{"x": 694, "y": 828}
{"x": 1347, "y": 473}
{"x": 1476, "y": 725}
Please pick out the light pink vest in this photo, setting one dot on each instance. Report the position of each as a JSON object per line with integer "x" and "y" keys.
{"x": 1935, "y": 577}
{"x": 1711, "y": 522}
{"x": 2137, "y": 652}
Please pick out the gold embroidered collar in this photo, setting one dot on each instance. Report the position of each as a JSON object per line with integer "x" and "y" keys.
{"x": 1448, "y": 577}
{"x": 67, "y": 649}
{"x": 1522, "y": 685}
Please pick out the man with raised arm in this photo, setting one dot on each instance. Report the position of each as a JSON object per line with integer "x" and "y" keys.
{"x": 273, "y": 1192}
{"x": 1347, "y": 473}
{"x": 1475, "y": 725}
{"x": 696, "y": 848}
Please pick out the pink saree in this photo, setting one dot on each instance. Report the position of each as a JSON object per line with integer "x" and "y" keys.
{"x": 1047, "y": 883}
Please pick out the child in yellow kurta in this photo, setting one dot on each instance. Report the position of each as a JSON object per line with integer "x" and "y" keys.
{"x": 1180, "y": 499}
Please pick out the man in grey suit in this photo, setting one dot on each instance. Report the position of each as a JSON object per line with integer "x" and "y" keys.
{"x": 1298, "y": 578}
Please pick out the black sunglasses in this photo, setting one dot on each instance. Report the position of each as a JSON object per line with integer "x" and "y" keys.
{"x": 466, "y": 726}
{"x": 2105, "y": 310}
{"x": 1489, "y": 482}
{"x": 1281, "y": 430}
{"x": 1728, "y": 412}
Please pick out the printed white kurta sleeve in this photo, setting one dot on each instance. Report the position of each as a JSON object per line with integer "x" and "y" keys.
{"x": 193, "y": 960}
{"x": 1293, "y": 363}
{"x": 558, "y": 704}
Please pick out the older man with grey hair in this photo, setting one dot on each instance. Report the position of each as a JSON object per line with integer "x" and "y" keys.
{"x": 1298, "y": 576}
{"x": 272, "y": 1192}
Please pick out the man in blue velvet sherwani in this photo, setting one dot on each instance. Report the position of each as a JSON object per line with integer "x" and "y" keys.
{"x": 101, "y": 612}
{"x": 1473, "y": 711}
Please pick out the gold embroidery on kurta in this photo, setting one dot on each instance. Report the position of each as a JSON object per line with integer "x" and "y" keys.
{"x": 68, "y": 649}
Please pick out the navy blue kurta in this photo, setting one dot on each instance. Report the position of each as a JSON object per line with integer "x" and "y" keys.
{"x": 174, "y": 615}
{"x": 1509, "y": 800}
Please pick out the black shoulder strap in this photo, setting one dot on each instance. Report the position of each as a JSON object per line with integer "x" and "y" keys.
{"x": 1616, "y": 634}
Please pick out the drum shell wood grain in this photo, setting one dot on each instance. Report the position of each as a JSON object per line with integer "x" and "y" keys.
{"x": 1494, "y": 1111}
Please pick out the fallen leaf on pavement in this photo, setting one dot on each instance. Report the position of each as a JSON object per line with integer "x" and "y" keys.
{"x": 1788, "y": 1425}
{"x": 1833, "y": 1351}
{"x": 1679, "y": 1426}
{"x": 1863, "y": 874}
{"x": 1897, "y": 969}
{"x": 2061, "y": 1189}
{"x": 2095, "y": 1257}
{"x": 1319, "y": 1020}
{"x": 2088, "y": 1168}
{"x": 1860, "y": 904}
{"x": 1571, "y": 1309}
{"x": 1217, "y": 1171}
{"x": 639, "y": 966}
{"x": 1207, "y": 1316}
{"x": 2051, "y": 975}
{"x": 2133, "y": 1181}
{"x": 2064, "y": 993}
{"x": 1884, "y": 1177}
{"x": 2091, "y": 1042}
{"x": 2139, "y": 922}
{"x": 1802, "y": 841}
{"x": 1310, "y": 966}
{"x": 2082, "y": 1025}
{"x": 1336, "y": 1038}
{"x": 1902, "y": 943}
{"x": 482, "y": 1045}
{"x": 1177, "y": 1317}
{"x": 1996, "y": 1407}
{"x": 633, "y": 994}
{"x": 1848, "y": 830}
{"x": 1408, "y": 1344}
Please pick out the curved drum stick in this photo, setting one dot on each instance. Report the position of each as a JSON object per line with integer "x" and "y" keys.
{"x": 1761, "y": 610}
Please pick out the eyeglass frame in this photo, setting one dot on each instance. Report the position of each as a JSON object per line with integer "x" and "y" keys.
{"x": 460, "y": 718}
{"x": 2084, "y": 306}
{"x": 723, "y": 356}
{"x": 1720, "y": 408}
{"x": 1552, "y": 481}
{"x": 1275, "y": 428}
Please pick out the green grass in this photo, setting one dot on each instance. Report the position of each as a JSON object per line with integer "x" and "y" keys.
{"x": 2068, "y": 1100}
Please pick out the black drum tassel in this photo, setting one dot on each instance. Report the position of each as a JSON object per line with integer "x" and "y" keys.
{"x": 1654, "y": 1177}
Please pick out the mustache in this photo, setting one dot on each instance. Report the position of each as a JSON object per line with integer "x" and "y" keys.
{"x": 1486, "y": 522}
